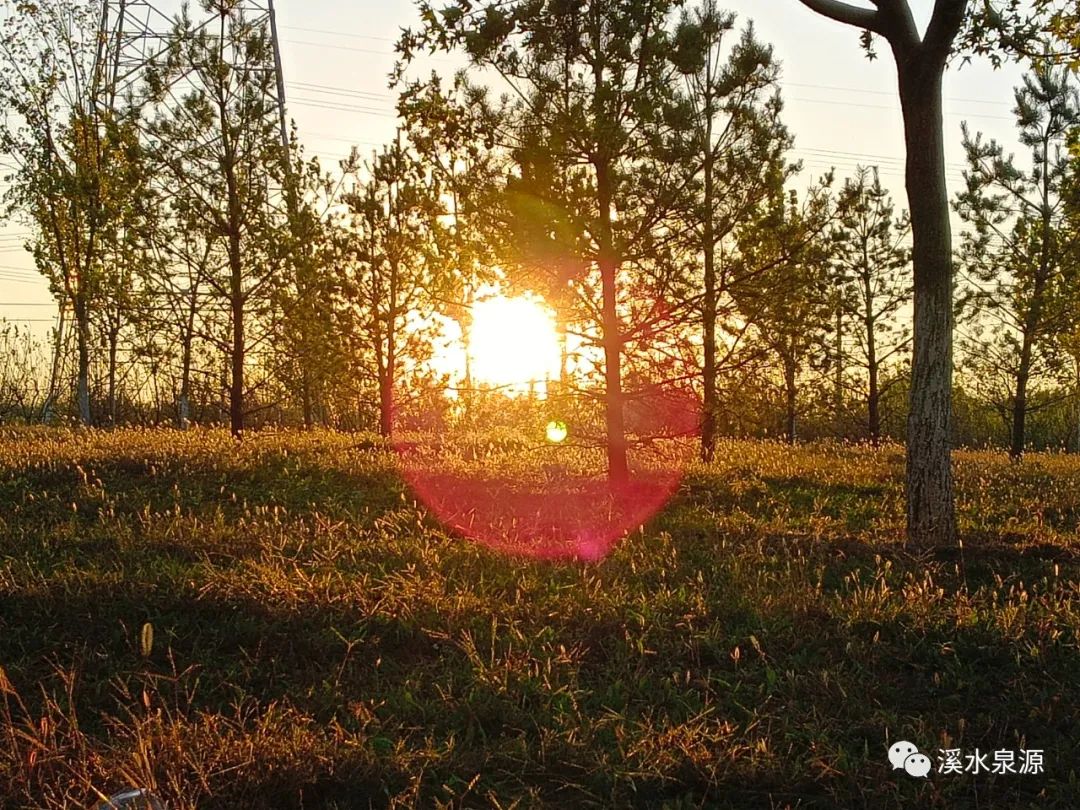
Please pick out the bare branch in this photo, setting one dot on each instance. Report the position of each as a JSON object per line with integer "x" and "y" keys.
{"x": 846, "y": 13}
{"x": 944, "y": 26}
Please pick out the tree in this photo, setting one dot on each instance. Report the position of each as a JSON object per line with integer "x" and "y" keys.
{"x": 390, "y": 277}
{"x": 595, "y": 78}
{"x": 871, "y": 265}
{"x": 920, "y": 62}
{"x": 78, "y": 159}
{"x": 453, "y": 131}
{"x": 221, "y": 145}
{"x": 738, "y": 143}
{"x": 1019, "y": 252}
{"x": 175, "y": 284}
{"x": 308, "y": 346}
{"x": 783, "y": 286}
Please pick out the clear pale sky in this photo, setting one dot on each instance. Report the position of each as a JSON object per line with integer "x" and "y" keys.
{"x": 842, "y": 108}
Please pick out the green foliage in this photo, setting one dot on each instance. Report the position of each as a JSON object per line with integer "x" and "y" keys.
{"x": 783, "y": 285}
{"x": 391, "y": 275}
{"x": 81, "y": 184}
{"x": 1019, "y": 257}
{"x": 872, "y": 267}
{"x": 1044, "y": 31}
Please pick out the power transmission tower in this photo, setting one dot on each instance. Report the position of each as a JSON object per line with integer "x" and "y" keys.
{"x": 137, "y": 35}
{"x": 146, "y": 73}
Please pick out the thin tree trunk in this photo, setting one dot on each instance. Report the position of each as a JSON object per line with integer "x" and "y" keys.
{"x": 1076, "y": 446}
{"x": 467, "y": 382}
{"x": 838, "y": 380}
{"x": 873, "y": 404}
{"x": 236, "y": 388}
{"x": 386, "y": 406}
{"x": 873, "y": 399}
{"x": 388, "y": 372}
{"x": 708, "y": 321}
{"x": 184, "y": 401}
{"x": 1020, "y": 407}
{"x": 306, "y": 398}
{"x": 83, "y": 381}
{"x": 708, "y": 312}
{"x": 790, "y": 403}
{"x": 1032, "y": 319}
{"x": 615, "y": 419}
{"x": 114, "y": 340}
{"x": 931, "y": 514}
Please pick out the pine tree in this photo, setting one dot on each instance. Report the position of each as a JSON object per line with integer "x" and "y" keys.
{"x": 1019, "y": 253}
{"x": 871, "y": 261}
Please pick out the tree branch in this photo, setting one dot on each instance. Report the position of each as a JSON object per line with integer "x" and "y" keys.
{"x": 945, "y": 24}
{"x": 844, "y": 12}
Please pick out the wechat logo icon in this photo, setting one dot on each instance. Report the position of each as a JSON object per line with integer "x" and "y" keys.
{"x": 905, "y": 756}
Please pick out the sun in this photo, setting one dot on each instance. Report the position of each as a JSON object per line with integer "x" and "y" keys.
{"x": 514, "y": 345}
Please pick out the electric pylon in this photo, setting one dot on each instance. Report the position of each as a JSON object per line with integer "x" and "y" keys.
{"x": 136, "y": 34}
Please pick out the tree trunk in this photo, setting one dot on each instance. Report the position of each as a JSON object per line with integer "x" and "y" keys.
{"x": 386, "y": 404}
{"x": 468, "y": 384}
{"x": 618, "y": 467}
{"x": 1076, "y": 447}
{"x": 708, "y": 323}
{"x": 114, "y": 340}
{"x": 236, "y": 388}
{"x": 790, "y": 403}
{"x": 931, "y": 515}
{"x": 183, "y": 405}
{"x": 873, "y": 399}
{"x": 873, "y": 407}
{"x": 1032, "y": 322}
{"x": 838, "y": 379}
{"x": 387, "y": 376}
{"x": 1019, "y": 409}
{"x": 183, "y": 410}
{"x": 305, "y": 396}
{"x": 83, "y": 381}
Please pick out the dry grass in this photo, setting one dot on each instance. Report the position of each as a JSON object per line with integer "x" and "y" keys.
{"x": 320, "y": 642}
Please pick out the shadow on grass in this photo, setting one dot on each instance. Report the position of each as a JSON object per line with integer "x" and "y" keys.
{"x": 677, "y": 673}
{"x": 627, "y": 714}
{"x": 201, "y": 488}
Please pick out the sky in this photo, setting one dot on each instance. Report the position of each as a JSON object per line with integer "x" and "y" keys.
{"x": 841, "y": 107}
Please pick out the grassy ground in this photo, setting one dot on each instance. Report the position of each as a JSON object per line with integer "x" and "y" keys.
{"x": 319, "y": 642}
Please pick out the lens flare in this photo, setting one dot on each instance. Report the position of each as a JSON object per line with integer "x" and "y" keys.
{"x": 508, "y": 477}
{"x": 557, "y": 432}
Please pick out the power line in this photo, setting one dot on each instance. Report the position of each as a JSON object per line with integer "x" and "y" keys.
{"x": 343, "y": 91}
{"x": 338, "y": 47}
{"x": 893, "y": 109}
{"x": 336, "y": 33}
{"x": 324, "y": 105}
{"x": 782, "y": 82}
{"x": 890, "y": 93}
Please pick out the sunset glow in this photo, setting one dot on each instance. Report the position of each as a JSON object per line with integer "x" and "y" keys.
{"x": 514, "y": 344}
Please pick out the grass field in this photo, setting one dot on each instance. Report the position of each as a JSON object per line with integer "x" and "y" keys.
{"x": 319, "y": 641}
